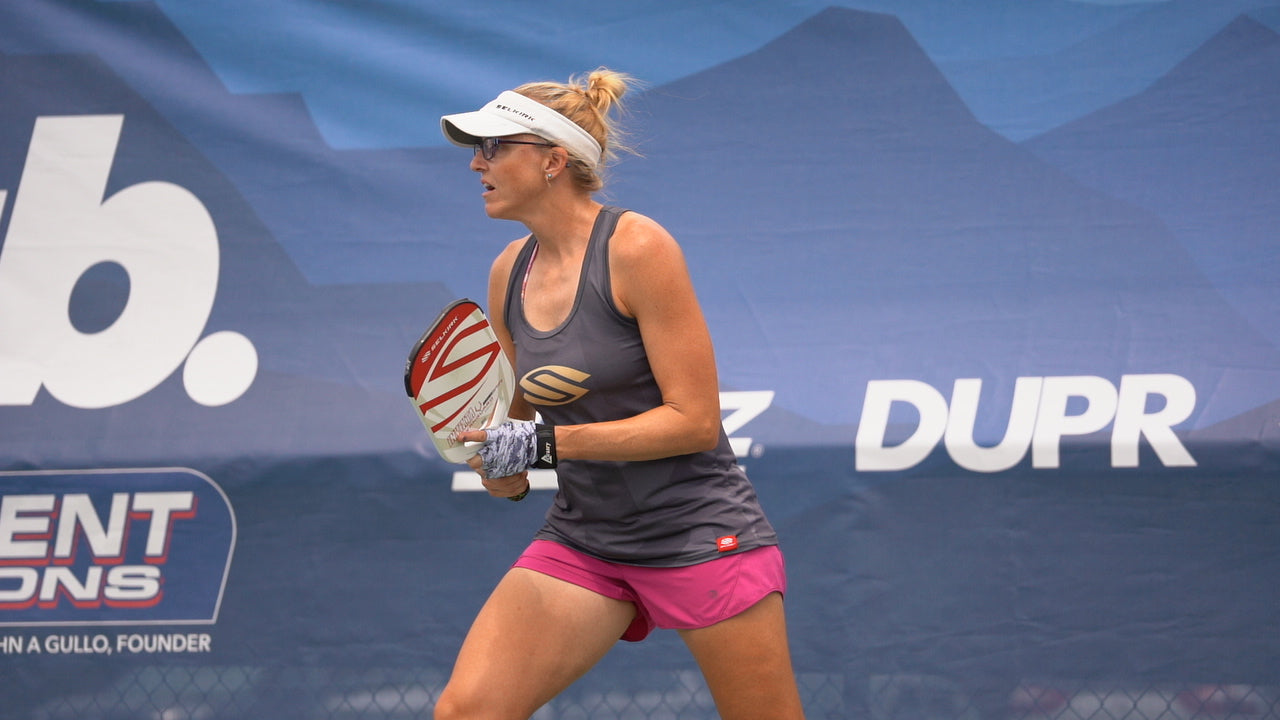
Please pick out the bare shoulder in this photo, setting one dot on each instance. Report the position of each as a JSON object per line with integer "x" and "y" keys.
{"x": 648, "y": 267}
{"x": 499, "y": 272}
{"x": 509, "y": 253}
{"x": 507, "y": 258}
{"x": 641, "y": 239}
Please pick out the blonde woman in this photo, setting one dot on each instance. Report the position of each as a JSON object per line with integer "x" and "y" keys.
{"x": 654, "y": 523}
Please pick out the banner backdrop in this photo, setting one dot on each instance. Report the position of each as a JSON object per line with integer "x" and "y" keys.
{"x": 994, "y": 286}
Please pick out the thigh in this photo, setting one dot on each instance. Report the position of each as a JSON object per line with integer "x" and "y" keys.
{"x": 747, "y": 663}
{"x": 534, "y": 636}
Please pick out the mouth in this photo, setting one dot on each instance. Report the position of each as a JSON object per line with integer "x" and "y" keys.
{"x": 487, "y": 187}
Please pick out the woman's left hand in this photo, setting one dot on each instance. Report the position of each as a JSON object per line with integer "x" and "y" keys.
{"x": 504, "y": 458}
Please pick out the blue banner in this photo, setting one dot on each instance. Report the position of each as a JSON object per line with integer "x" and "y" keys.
{"x": 994, "y": 288}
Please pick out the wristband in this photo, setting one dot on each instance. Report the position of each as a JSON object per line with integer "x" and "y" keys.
{"x": 544, "y": 447}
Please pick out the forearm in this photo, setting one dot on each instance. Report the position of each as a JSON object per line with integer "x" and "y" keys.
{"x": 664, "y": 431}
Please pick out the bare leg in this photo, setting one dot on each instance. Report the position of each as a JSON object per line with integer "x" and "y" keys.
{"x": 534, "y": 637}
{"x": 747, "y": 664}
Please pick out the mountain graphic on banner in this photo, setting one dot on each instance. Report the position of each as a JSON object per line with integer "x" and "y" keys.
{"x": 845, "y": 215}
{"x": 860, "y": 223}
{"x": 1025, "y": 94}
{"x": 1198, "y": 149}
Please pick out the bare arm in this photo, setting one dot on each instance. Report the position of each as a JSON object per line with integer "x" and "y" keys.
{"x": 651, "y": 282}
{"x": 518, "y": 484}
{"x": 499, "y": 274}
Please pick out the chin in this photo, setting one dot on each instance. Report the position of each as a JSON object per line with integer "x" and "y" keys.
{"x": 497, "y": 211}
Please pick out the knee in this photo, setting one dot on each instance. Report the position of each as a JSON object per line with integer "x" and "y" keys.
{"x": 448, "y": 707}
{"x": 456, "y": 704}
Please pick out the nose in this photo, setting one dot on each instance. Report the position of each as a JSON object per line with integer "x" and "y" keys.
{"x": 477, "y": 161}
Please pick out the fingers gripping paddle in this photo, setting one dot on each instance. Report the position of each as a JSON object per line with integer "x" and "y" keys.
{"x": 458, "y": 378}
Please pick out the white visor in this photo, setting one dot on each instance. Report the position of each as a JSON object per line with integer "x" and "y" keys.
{"x": 512, "y": 114}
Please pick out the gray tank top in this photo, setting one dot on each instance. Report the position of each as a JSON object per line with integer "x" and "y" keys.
{"x": 670, "y": 512}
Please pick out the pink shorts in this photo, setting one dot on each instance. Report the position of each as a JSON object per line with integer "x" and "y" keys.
{"x": 673, "y": 598}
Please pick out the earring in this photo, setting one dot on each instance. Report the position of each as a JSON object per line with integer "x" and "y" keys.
{"x": 549, "y": 177}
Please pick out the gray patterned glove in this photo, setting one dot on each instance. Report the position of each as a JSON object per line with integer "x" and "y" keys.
{"x": 509, "y": 449}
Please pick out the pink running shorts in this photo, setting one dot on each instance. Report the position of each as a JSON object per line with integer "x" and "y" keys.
{"x": 673, "y": 598}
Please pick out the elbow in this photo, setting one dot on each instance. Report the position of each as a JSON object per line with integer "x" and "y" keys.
{"x": 706, "y": 436}
{"x": 694, "y": 431}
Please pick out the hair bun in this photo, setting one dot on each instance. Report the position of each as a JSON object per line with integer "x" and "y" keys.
{"x": 605, "y": 87}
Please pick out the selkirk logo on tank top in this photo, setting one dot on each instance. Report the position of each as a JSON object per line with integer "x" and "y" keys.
{"x": 553, "y": 385}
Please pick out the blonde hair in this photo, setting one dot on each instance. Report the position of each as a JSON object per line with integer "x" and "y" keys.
{"x": 588, "y": 102}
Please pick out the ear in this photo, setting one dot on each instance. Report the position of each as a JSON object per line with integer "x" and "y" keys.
{"x": 557, "y": 160}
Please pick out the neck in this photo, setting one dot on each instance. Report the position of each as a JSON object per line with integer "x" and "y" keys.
{"x": 564, "y": 227}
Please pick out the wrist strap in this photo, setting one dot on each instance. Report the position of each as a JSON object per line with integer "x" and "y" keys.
{"x": 544, "y": 447}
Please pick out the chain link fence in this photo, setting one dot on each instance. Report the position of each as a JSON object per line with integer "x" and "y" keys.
{"x": 177, "y": 692}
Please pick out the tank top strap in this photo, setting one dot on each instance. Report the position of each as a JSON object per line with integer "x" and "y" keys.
{"x": 596, "y": 276}
{"x": 513, "y": 309}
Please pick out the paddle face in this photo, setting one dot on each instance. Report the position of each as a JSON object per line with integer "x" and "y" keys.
{"x": 458, "y": 378}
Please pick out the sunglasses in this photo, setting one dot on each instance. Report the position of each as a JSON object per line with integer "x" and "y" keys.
{"x": 489, "y": 146}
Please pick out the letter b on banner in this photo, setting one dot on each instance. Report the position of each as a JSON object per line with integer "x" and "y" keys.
{"x": 61, "y": 226}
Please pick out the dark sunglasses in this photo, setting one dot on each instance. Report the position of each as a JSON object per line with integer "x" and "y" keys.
{"x": 489, "y": 146}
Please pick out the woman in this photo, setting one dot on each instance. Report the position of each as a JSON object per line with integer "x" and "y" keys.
{"x": 654, "y": 525}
